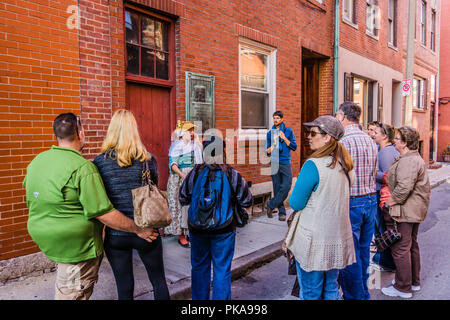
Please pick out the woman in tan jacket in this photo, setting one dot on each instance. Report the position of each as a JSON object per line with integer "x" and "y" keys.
{"x": 410, "y": 196}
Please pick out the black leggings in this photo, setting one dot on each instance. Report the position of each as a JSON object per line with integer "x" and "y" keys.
{"x": 119, "y": 251}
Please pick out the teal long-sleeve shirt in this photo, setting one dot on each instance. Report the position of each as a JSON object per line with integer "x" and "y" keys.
{"x": 307, "y": 182}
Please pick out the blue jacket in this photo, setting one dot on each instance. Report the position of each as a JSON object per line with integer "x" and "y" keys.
{"x": 242, "y": 193}
{"x": 283, "y": 154}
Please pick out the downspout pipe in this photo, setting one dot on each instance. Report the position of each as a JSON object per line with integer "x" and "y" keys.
{"x": 336, "y": 57}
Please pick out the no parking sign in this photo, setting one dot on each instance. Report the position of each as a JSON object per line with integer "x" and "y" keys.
{"x": 406, "y": 87}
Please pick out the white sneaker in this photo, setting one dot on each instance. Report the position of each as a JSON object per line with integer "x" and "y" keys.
{"x": 413, "y": 288}
{"x": 392, "y": 292}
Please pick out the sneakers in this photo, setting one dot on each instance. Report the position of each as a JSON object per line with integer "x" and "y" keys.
{"x": 392, "y": 292}
{"x": 376, "y": 266}
{"x": 413, "y": 288}
{"x": 282, "y": 217}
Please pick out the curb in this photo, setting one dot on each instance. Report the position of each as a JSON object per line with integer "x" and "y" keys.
{"x": 438, "y": 183}
{"x": 181, "y": 290}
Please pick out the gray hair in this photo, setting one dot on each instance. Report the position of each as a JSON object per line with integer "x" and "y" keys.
{"x": 351, "y": 110}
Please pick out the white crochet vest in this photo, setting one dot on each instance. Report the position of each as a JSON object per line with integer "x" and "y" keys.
{"x": 320, "y": 236}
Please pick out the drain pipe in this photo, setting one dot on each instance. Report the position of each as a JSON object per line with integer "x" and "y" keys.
{"x": 336, "y": 57}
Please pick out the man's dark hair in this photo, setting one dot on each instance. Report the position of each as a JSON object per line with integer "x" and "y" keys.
{"x": 66, "y": 126}
{"x": 351, "y": 111}
{"x": 278, "y": 113}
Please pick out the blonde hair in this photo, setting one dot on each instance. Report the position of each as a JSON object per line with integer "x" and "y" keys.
{"x": 123, "y": 138}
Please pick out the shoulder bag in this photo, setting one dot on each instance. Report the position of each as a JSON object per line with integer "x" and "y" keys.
{"x": 151, "y": 207}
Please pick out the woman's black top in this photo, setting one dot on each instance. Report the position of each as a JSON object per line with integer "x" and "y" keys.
{"x": 119, "y": 181}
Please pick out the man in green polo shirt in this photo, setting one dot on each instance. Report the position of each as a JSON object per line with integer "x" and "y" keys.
{"x": 68, "y": 206}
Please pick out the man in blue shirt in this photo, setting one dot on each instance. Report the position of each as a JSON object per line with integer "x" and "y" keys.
{"x": 279, "y": 143}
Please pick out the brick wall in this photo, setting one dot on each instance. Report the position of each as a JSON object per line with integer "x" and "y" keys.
{"x": 355, "y": 38}
{"x": 47, "y": 68}
{"x": 39, "y": 78}
{"x": 426, "y": 63}
{"x": 444, "y": 80}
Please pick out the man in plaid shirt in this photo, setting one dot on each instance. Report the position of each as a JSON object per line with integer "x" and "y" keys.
{"x": 363, "y": 201}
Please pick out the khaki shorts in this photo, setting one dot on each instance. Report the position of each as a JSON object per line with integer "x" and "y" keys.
{"x": 75, "y": 281}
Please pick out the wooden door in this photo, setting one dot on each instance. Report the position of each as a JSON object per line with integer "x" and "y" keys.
{"x": 310, "y": 102}
{"x": 151, "y": 108}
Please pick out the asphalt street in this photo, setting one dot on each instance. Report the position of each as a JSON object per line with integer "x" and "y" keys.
{"x": 271, "y": 281}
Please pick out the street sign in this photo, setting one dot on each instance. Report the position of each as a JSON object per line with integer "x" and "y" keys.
{"x": 406, "y": 87}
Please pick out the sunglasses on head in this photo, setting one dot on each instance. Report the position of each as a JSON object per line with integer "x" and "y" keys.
{"x": 381, "y": 126}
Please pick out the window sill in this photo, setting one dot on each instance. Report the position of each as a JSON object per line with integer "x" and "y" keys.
{"x": 372, "y": 36}
{"x": 392, "y": 47}
{"x": 252, "y": 134}
{"x": 350, "y": 23}
{"x": 321, "y": 6}
{"x": 419, "y": 110}
{"x": 423, "y": 46}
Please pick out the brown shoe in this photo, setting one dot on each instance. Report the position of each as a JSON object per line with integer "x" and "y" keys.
{"x": 269, "y": 212}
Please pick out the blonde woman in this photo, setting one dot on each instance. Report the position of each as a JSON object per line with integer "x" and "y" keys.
{"x": 120, "y": 165}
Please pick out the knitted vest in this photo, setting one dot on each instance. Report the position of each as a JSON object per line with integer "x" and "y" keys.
{"x": 320, "y": 236}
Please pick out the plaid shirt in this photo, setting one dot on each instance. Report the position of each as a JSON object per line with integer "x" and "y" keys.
{"x": 363, "y": 152}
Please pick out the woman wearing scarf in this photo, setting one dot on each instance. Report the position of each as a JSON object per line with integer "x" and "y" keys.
{"x": 184, "y": 153}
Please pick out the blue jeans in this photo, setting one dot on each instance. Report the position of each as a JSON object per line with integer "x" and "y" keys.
{"x": 318, "y": 285}
{"x": 218, "y": 248}
{"x": 282, "y": 182}
{"x": 353, "y": 278}
{"x": 384, "y": 258}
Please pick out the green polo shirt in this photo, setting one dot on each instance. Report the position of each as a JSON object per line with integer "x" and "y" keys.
{"x": 64, "y": 194}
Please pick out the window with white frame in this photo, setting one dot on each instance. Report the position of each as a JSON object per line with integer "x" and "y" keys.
{"x": 419, "y": 93}
{"x": 349, "y": 11}
{"x": 392, "y": 22}
{"x": 433, "y": 31}
{"x": 423, "y": 22}
{"x": 256, "y": 87}
{"x": 372, "y": 17}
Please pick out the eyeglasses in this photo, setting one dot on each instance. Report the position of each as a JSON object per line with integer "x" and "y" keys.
{"x": 314, "y": 133}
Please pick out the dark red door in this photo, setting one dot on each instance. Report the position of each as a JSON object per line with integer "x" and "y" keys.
{"x": 310, "y": 102}
{"x": 151, "y": 108}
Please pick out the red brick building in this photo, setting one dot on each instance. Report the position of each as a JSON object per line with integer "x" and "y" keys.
{"x": 426, "y": 66}
{"x": 372, "y": 63}
{"x": 370, "y": 57}
{"x": 443, "y": 136}
{"x": 92, "y": 57}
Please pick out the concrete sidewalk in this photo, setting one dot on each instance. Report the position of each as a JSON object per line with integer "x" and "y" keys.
{"x": 257, "y": 243}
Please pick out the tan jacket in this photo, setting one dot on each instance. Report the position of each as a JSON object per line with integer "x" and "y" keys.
{"x": 410, "y": 188}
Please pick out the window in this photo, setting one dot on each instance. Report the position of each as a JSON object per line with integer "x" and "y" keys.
{"x": 256, "y": 72}
{"x": 392, "y": 22}
{"x": 433, "y": 31}
{"x": 423, "y": 22}
{"x": 419, "y": 93}
{"x": 372, "y": 17}
{"x": 349, "y": 11}
{"x": 147, "y": 44}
